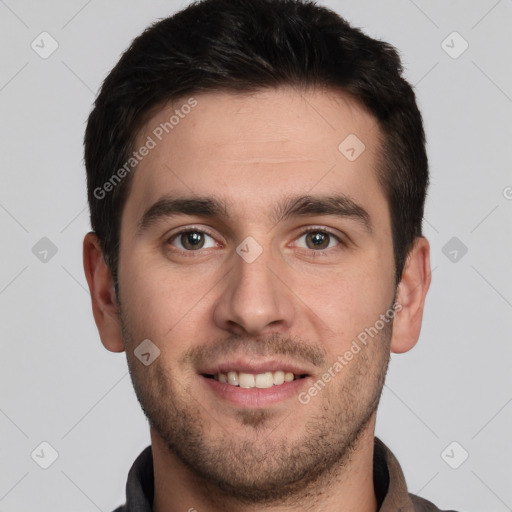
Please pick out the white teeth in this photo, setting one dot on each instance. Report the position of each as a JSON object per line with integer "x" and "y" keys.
{"x": 245, "y": 380}
{"x": 261, "y": 380}
{"x": 278, "y": 378}
{"x": 264, "y": 380}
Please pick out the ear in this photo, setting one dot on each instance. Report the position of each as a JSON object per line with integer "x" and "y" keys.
{"x": 410, "y": 297}
{"x": 103, "y": 296}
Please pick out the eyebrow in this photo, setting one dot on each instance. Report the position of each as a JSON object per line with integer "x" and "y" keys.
{"x": 338, "y": 205}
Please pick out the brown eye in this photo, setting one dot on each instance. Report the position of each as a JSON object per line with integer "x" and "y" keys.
{"x": 317, "y": 240}
{"x": 191, "y": 240}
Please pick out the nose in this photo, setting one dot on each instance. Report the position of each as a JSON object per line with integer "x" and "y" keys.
{"x": 255, "y": 298}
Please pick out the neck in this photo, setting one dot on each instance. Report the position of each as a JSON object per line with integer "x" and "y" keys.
{"x": 346, "y": 488}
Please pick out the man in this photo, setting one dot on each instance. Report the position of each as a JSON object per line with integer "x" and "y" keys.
{"x": 256, "y": 176}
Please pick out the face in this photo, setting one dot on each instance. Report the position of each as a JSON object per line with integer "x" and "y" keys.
{"x": 253, "y": 248}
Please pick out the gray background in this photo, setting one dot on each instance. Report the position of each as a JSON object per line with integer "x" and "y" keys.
{"x": 57, "y": 382}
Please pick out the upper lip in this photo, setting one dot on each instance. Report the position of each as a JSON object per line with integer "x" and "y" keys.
{"x": 246, "y": 365}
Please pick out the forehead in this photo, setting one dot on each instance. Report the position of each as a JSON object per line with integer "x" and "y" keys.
{"x": 252, "y": 148}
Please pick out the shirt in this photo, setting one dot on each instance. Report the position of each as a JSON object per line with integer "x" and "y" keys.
{"x": 388, "y": 480}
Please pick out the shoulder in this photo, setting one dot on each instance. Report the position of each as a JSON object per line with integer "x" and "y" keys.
{"x": 423, "y": 505}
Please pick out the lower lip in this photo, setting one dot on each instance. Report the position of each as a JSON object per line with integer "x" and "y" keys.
{"x": 256, "y": 397}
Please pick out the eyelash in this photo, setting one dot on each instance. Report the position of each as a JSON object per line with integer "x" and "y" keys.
{"x": 323, "y": 252}
{"x": 312, "y": 229}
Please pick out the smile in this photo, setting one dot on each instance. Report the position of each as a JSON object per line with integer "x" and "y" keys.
{"x": 260, "y": 380}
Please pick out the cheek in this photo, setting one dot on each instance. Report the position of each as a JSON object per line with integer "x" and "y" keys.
{"x": 162, "y": 303}
{"x": 350, "y": 299}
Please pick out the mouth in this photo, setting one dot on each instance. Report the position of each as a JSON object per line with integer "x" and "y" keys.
{"x": 251, "y": 384}
{"x": 263, "y": 380}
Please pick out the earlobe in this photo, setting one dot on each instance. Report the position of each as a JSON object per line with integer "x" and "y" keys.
{"x": 103, "y": 296}
{"x": 411, "y": 294}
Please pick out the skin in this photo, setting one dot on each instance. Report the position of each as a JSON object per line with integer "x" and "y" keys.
{"x": 254, "y": 150}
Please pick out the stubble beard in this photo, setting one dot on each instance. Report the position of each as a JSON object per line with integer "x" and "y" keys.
{"x": 256, "y": 464}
